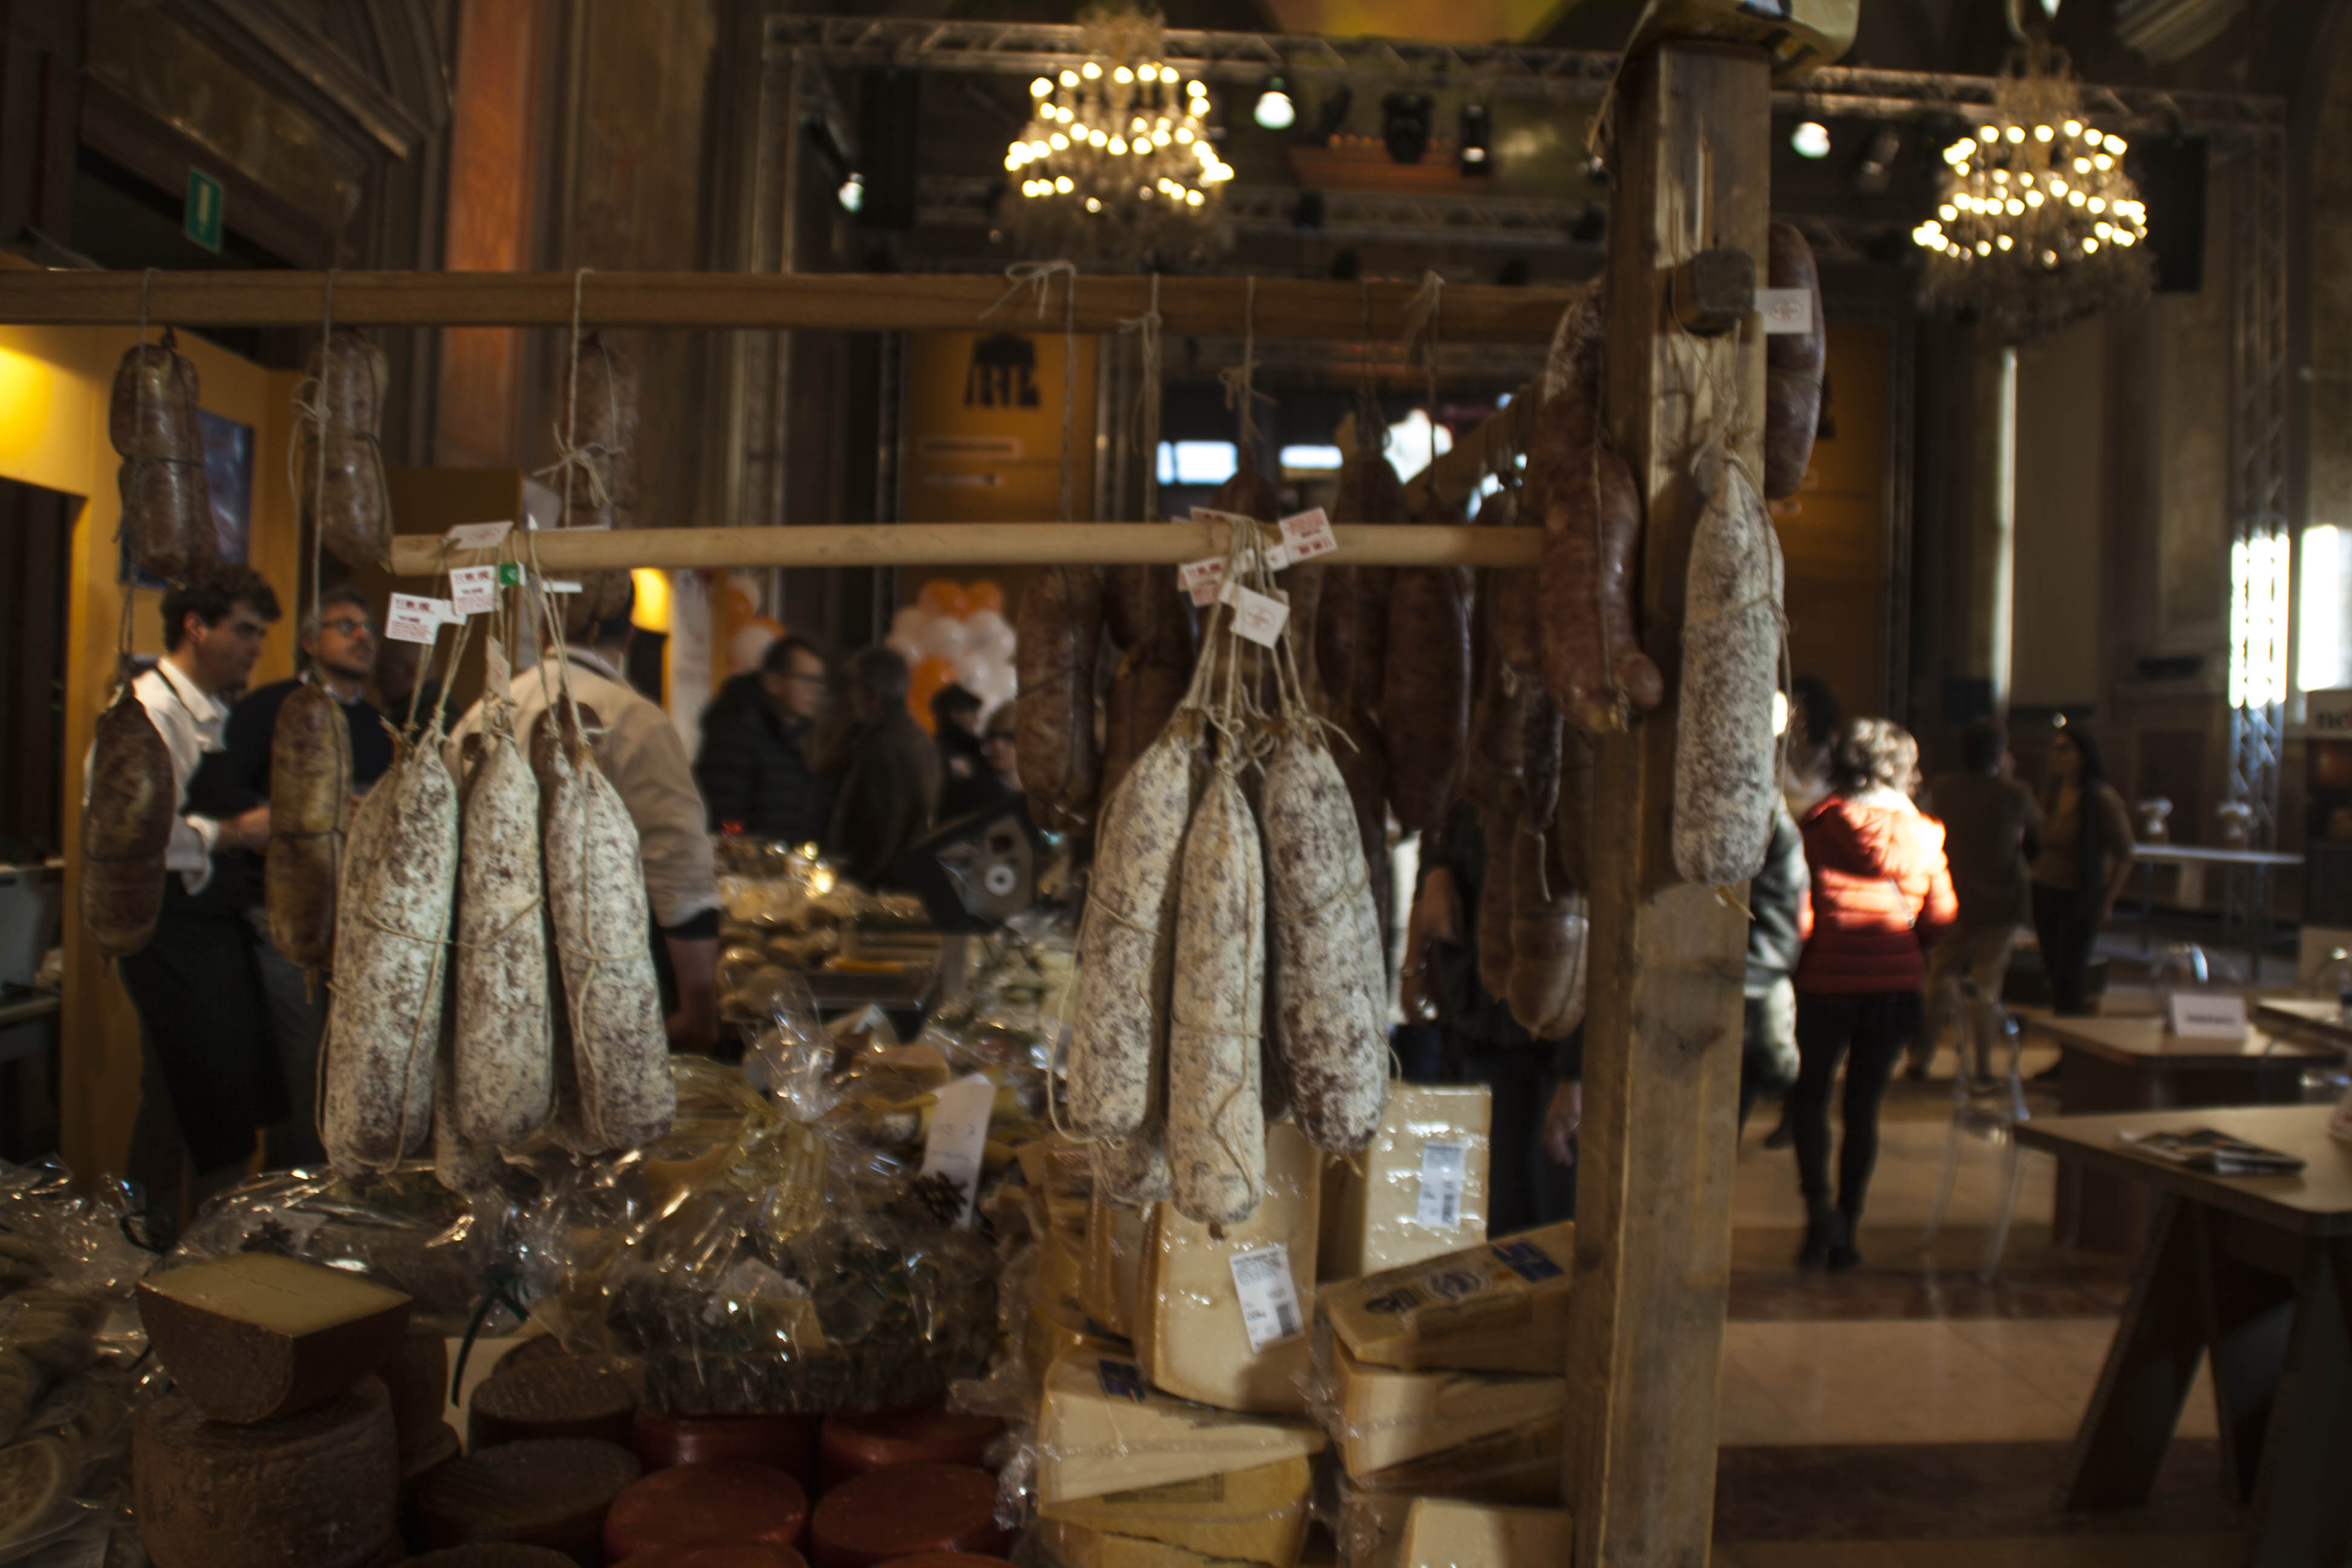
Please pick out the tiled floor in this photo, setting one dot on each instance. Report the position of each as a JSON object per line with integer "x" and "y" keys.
{"x": 1905, "y": 1416}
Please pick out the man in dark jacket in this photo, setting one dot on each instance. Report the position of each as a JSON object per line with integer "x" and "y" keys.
{"x": 1779, "y": 912}
{"x": 1992, "y": 830}
{"x": 754, "y": 769}
{"x": 885, "y": 777}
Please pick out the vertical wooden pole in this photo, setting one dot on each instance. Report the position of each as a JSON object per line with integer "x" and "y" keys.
{"x": 1663, "y": 1029}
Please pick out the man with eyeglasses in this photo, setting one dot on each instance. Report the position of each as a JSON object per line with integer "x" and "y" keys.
{"x": 754, "y": 767}
{"x": 338, "y": 651}
{"x": 211, "y": 1080}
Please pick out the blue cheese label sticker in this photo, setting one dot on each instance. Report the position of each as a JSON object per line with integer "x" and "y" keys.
{"x": 1270, "y": 1297}
{"x": 1444, "y": 1168}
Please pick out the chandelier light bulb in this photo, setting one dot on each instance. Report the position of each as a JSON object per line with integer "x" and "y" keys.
{"x": 1069, "y": 78}
{"x": 1041, "y": 87}
{"x": 1122, "y": 76}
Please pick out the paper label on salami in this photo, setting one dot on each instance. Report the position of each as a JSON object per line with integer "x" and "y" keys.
{"x": 958, "y": 1134}
{"x": 1787, "y": 312}
{"x": 474, "y": 590}
{"x": 479, "y": 535}
{"x": 1270, "y": 1297}
{"x": 413, "y": 619}
{"x": 1443, "y": 1169}
{"x": 1308, "y": 535}
{"x": 1203, "y": 578}
{"x": 1255, "y": 617}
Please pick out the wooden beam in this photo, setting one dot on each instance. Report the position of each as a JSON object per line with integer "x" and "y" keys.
{"x": 954, "y": 544}
{"x": 1663, "y": 1028}
{"x": 842, "y": 301}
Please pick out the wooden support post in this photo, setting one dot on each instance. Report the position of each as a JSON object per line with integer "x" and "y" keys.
{"x": 1663, "y": 1028}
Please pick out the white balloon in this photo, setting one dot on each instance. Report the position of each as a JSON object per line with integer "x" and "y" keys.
{"x": 973, "y": 671}
{"x": 912, "y": 652}
{"x": 909, "y": 624}
{"x": 985, "y": 624}
{"x": 946, "y": 639}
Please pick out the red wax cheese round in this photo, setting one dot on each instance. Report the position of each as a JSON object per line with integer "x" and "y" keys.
{"x": 851, "y": 1446}
{"x": 786, "y": 1442}
{"x": 689, "y": 1505}
{"x": 948, "y": 1560}
{"x": 902, "y": 1511}
{"x": 553, "y": 1493}
{"x": 553, "y": 1396}
{"x": 733, "y": 1554}
{"x": 430, "y": 1455}
{"x": 493, "y": 1554}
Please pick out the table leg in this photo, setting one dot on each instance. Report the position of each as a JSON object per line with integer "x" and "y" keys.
{"x": 2303, "y": 1510}
{"x": 2153, "y": 1358}
{"x": 2146, "y": 901}
{"x": 2249, "y": 1315}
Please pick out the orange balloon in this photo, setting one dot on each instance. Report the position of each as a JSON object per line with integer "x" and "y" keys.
{"x": 944, "y": 599}
{"x": 923, "y": 684}
{"x": 983, "y": 595}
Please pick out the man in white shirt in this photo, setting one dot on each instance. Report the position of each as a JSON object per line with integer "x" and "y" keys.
{"x": 211, "y": 1078}
{"x": 640, "y": 751}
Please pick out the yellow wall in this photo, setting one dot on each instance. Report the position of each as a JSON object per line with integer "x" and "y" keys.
{"x": 54, "y": 383}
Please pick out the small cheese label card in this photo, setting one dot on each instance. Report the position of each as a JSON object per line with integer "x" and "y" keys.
{"x": 1270, "y": 1297}
{"x": 473, "y": 589}
{"x": 958, "y": 1134}
{"x": 1785, "y": 310}
{"x": 1202, "y": 578}
{"x": 479, "y": 535}
{"x": 2208, "y": 1014}
{"x": 1256, "y": 615}
{"x": 411, "y": 619}
{"x": 1443, "y": 1168}
{"x": 1308, "y": 535}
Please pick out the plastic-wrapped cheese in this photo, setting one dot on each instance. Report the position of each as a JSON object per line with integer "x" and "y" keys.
{"x": 906, "y": 1509}
{"x": 1113, "y": 1265}
{"x": 1256, "y": 1515}
{"x": 1441, "y": 1532}
{"x": 703, "y": 1505}
{"x": 850, "y": 1446}
{"x": 252, "y": 1336}
{"x": 552, "y": 1492}
{"x": 1052, "y": 1331}
{"x": 1197, "y": 1335}
{"x": 1501, "y": 1307}
{"x": 554, "y": 1397}
{"x": 1423, "y": 1189}
{"x": 1061, "y": 1263}
{"x": 1382, "y": 1416}
{"x": 1101, "y": 1429}
{"x": 314, "y": 1489}
{"x": 36, "y": 1480}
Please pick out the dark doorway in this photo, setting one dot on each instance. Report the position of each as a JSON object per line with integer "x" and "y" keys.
{"x": 35, "y": 554}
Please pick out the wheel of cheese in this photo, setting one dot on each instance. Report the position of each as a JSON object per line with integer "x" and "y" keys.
{"x": 315, "y": 1489}
{"x": 430, "y": 1455}
{"x": 493, "y": 1554}
{"x": 693, "y": 1505}
{"x": 33, "y": 1484}
{"x": 252, "y": 1337}
{"x": 417, "y": 1373}
{"x": 662, "y": 1439}
{"x": 553, "y": 1396}
{"x": 850, "y": 1446}
{"x": 733, "y": 1554}
{"x": 905, "y": 1509}
{"x": 948, "y": 1560}
{"x": 550, "y": 1492}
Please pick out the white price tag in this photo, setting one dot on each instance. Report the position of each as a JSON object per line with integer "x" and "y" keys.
{"x": 558, "y": 586}
{"x": 1444, "y": 1168}
{"x": 415, "y": 619}
{"x": 1255, "y": 617}
{"x": 474, "y": 590}
{"x": 1308, "y": 535}
{"x": 479, "y": 535}
{"x": 958, "y": 1133}
{"x": 1203, "y": 578}
{"x": 2207, "y": 1015}
{"x": 1269, "y": 1295}
{"x": 1785, "y": 310}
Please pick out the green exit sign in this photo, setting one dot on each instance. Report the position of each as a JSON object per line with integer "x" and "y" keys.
{"x": 208, "y": 204}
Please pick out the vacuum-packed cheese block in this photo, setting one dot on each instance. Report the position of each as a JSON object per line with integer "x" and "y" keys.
{"x": 1113, "y": 1265}
{"x": 1501, "y": 1307}
{"x": 1069, "y": 1545}
{"x": 1223, "y": 1319}
{"x": 552, "y": 1492}
{"x": 1518, "y": 1468}
{"x": 1422, "y": 1189}
{"x": 1383, "y": 1415}
{"x": 1060, "y": 1177}
{"x": 1102, "y": 1429}
{"x": 313, "y": 1490}
{"x": 554, "y": 1396}
{"x": 1257, "y": 1515}
{"x": 1052, "y": 1331}
{"x": 1061, "y": 1263}
{"x": 252, "y": 1337}
{"x": 1442, "y": 1533}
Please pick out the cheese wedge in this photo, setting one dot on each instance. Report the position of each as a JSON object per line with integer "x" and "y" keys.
{"x": 1382, "y": 1416}
{"x": 1250, "y": 1516}
{"x": 1517, "y": 1468}
{"x": 1061, "y": 1265}
{"x": 1500, "y": 1307}
{"x": 252, "y": 1337}
{"x": 1441, "y": 1532}
{"x": 1069, "y": 1545}
{"x": 1192, "y": 1335}
{"x": 1052, "y": 1331}
{"x": 1422, "y": 1188}
{"x": 1113, "y": 1265}
{"x": 1102, "y": 1429}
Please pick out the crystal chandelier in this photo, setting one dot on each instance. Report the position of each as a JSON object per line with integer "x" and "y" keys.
{"x": 2036, "y": 223}
{"x": 1115, "y": 163}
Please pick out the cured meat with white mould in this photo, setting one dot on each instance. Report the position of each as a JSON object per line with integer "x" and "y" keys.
{"x": 1216, "y": 1127}
{"x": 1727, "y": 759}
{"x": 504, "y": 1049}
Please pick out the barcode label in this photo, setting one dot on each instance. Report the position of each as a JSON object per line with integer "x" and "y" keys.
{"x": 1270, "y": 1297}
{"x": 1443, "y": 1168}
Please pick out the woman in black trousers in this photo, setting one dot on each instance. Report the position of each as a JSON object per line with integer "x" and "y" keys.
{"x": 2081, "y": 870}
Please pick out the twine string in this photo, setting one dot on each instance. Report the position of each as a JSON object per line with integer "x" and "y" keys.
{"x": 594, "y": 461}
{"x": 1039, "y": 276}
{"x": 1146, "y": 429}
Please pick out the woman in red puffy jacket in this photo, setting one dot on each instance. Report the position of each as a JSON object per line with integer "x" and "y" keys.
{"x": 1881, "y": 891}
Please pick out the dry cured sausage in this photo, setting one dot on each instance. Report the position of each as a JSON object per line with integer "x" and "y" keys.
{"x": 1727, "y": 762}
{"x": 1549, "y": 929}
{"x": 503, "y": 1051}
{"x": 351, "y": 376}
{"x": 1593, "y": 663}
{"x": 1425, "y": 694}
{"x": 167, "y": 508}
{"x": 600, "y": 403}
{"x": 1793, "y": 363}
{"x": 1216, "y": 1126}
{"x": 1059, "y": 635}
{"x": 126, "y": 826}
{"x": 309, "y": 809}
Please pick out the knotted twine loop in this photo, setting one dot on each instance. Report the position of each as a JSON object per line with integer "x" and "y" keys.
{"x": 1237, "y": 379}
{"x": 312, "y": 412}
{"x": 1146, "y": 426}
{"x": 594, "y": 461}
{"x": 1040, "y": 276}
{"x": 139, "y": 429}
